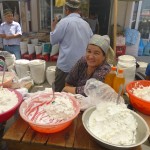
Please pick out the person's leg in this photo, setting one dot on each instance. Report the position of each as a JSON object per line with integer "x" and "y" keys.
{"x": 13, "y": 50}
{"x": 60, "y": 77}
{"x": 16, "y": 51}
{"x": 6, "y": 49}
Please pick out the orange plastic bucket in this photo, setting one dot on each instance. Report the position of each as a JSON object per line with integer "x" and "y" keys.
{"x": 138, "y": 103}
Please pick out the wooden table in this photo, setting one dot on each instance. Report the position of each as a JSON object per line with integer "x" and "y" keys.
{"x": 21, "y": 137}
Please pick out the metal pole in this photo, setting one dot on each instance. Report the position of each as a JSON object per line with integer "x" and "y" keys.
{"x": 115, "y": 24}
{"x": 51, "y": 3}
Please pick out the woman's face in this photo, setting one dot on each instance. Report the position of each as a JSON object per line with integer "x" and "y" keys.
{"x": 94, "y": 56}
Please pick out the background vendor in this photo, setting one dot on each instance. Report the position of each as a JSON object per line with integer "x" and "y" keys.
{"x": 72, "y": 34}
{"x": 11, "y": 32}
{"x": 93, "y": 65}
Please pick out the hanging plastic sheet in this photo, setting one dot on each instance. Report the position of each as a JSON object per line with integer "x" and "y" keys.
{"x": 59, "y": 3}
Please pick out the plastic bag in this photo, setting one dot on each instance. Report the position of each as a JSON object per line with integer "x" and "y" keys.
{"x": 147, "y": 50}
{"x": 141, "y": 48}
{"x": 97, "y": 92}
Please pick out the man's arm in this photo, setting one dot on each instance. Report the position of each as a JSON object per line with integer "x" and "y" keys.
{"x": 2, "y": 35}
{"x": 7, "y": 37}
{"x": 53, "y": 25}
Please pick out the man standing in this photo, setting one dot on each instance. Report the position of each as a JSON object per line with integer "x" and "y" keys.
{"x": 93, "y": 22}
{"x": 72, "y": 34}
{"x": 11, "y": 32}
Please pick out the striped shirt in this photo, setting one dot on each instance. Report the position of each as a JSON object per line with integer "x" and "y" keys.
{"x": 72, "y": 34}
{"x": 11, "y": 29}
{"x": 77, "y": 77}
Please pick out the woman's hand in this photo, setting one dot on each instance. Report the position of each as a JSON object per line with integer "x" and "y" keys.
{"x": 69, "y": 89}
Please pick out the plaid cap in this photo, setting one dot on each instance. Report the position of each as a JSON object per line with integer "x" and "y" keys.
{"x": 7, "y": 11}
{"x": 73, "y": 3}
{"x": 101, "y": 41}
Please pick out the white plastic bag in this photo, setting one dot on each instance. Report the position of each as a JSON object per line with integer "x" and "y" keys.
{"x": 97, "y": 92}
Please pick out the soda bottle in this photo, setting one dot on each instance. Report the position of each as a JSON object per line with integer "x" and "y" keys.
{"x": 118, "y": 80}
{"x": 110, "y": 76}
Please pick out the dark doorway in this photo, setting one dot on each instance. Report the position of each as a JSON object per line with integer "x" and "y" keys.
{"x": 102, "y": 9}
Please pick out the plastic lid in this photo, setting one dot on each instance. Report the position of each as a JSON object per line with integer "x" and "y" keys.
{"x": 126, "y": 58}
{"x": 120, "y": 70}
{"x": 113, "y": 68}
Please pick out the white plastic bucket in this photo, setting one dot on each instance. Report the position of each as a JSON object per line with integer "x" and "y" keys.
{"x": 50, "y": 74}
{"x": 31, "y": 48}
{"x": 142, "y": 67}
{"x": 128, "y": 64}
{"x": 11, "y": 67}
{"x": 37, "y": 70}
{"x": 34, "y": 41}
{"x": 10, "y": 59}
{"x": 23, "y": 47}
{"x": 22, "y": 67}
{"x": 55, "y": 50}
{"x": 38, "y": 49}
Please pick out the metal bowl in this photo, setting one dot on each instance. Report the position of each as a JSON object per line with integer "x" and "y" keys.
{"x": 141, "y": 137}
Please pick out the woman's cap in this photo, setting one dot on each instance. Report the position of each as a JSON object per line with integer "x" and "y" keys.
{"x": 101, "y": 41}
{"x": 7, "y": 11}
{"x": 73, "y": 3}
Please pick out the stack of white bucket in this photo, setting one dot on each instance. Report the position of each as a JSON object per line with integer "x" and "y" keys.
{"x": 36, "y": 68}
{"x": 34, "y": 47}
{"x": 50, "y": 74}
{"x": 10, "y": 60}
{"x": 22, "y": 68}
{"x": 31, "y": 47}
{"x": 25, "y": 47}
{"x": 142, "y": 67}
{"x": 128, "y": 64}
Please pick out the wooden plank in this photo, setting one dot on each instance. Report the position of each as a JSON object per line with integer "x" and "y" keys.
{"x": 64, "y": 138}
{"x": 82, "y": 139}
{"x": 29, "y": 135}
{"x": 40, "y": 138}
{"x": 145, "y": 117}
{"x": 71, "y": 133}
{"x": 28, "y": 146}
{"x": 16, "y": 131}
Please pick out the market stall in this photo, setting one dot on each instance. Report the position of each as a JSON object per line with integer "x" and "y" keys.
{"x": 73, "y": 137}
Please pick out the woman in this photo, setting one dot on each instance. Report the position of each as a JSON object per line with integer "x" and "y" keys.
{"x": 93, "y": 65}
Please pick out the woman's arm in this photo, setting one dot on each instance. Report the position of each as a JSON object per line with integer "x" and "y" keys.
{"x": 73, "y": 77}
{"x": 69, "y": 89}
{"x": 74, "y": 90}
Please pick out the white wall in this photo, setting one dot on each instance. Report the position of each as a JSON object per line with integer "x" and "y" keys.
{"x": 124, "y": 13}
{"x": 129, "y": 14}
{"x": 34, "y": 15}
{"x": 122, "y": 6}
